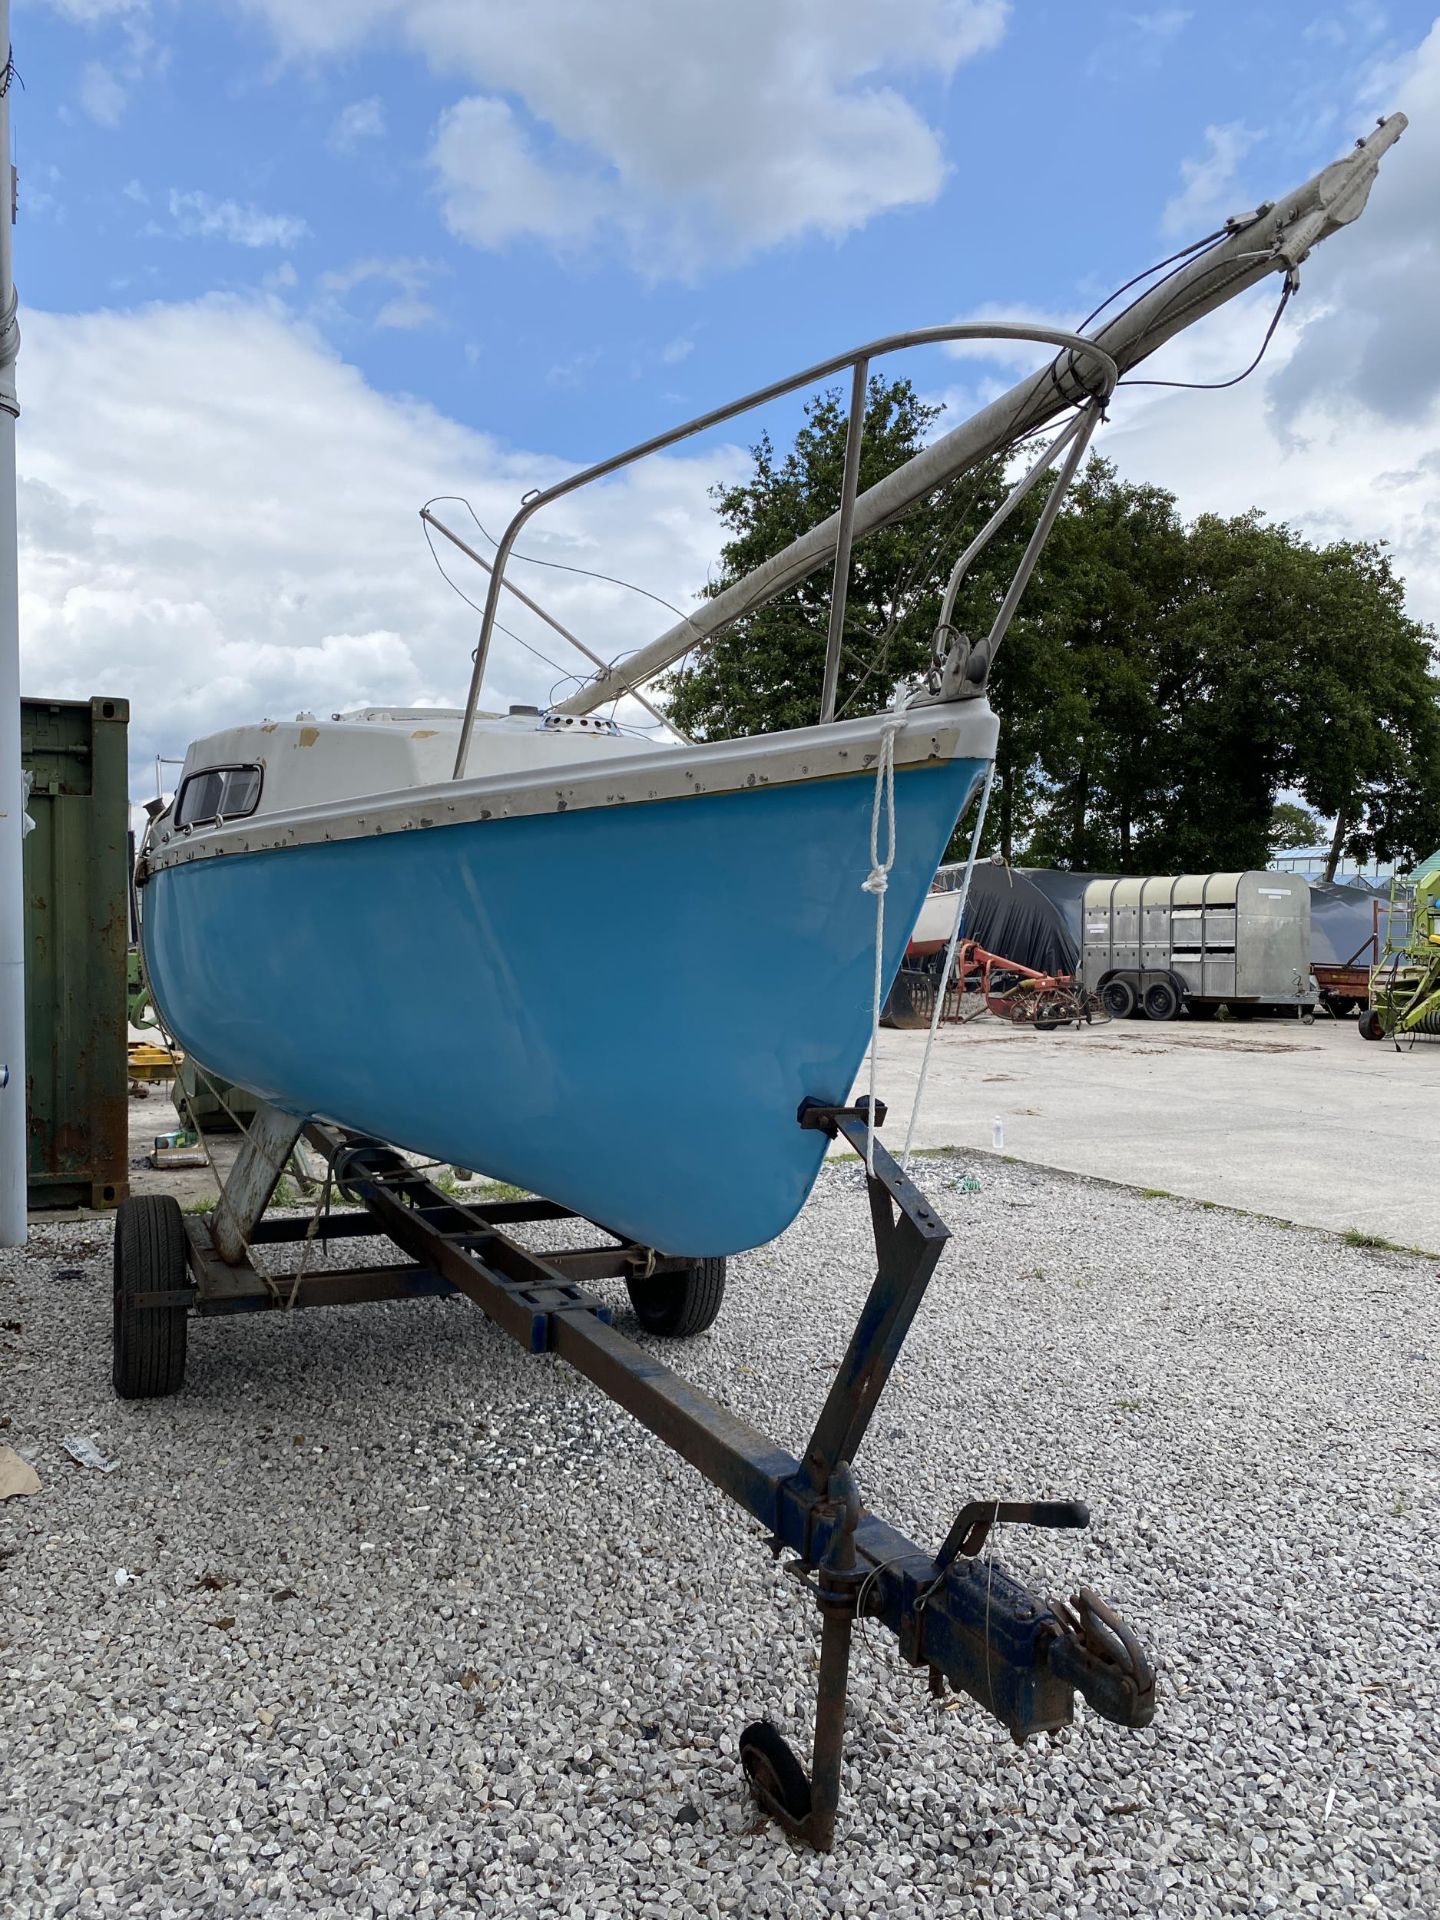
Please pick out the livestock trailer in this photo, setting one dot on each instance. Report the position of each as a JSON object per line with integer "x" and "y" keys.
{"x": 1152, "y": 945}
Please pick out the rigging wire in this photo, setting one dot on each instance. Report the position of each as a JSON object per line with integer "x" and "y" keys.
{"x": 1218, "y": 386}
{"x": 560, "y": 566}
{"x": 1175, "y": 261}
{"x": 554, "y": 665}
{"x": 591, "y": 573}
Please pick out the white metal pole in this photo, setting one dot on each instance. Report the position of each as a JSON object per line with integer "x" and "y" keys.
{"x": 12, "y": 916}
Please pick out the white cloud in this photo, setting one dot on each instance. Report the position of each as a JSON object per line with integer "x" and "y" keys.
{"x": 1378, "y": 284}
{"x": 89, "y": 13}
{"x": 681, "y": 134}
{"x": 1360, "y": 21}
{"x": 201, "y": 216}
{"x": 361, "y": 120}
{"x": 494, "y": 187}
{"x": 1163, "y": 24}
{"x": 402, "y": 270}
{"x": 295, "y": 574}
{"x": 40, "y": 190}
{"x": 1338, "y": 431}
{"x": 105, "y": 86}
{"x": 406, "y": 314}
{"x": 309, "y": 27}
{"x": 572, "y": 373}
{"x": 1330, "y": 468}
{"x": 101, "y": 94}
{"x": 406, "y": 309}
{"x": 675, "y": 351}
{"x": 1206, "y": 181}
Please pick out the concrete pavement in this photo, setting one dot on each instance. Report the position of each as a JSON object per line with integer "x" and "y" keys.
{"x": 1309, "y": 1124}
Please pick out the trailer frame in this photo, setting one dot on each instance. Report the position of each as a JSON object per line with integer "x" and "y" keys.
{"x": 960, "y": 1620}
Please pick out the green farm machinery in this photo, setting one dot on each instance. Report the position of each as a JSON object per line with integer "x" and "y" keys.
{"x": 1405, "y": 984}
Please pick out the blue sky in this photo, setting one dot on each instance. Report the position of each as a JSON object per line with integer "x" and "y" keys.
{"x": 338, "y": 257}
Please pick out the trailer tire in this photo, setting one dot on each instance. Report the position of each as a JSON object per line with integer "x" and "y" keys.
{"x": 1117, "y": 996}
{"x": 1161, "y": 1001}
{"x": 148, "y": 1358}
{"x": 679, "y": 1305}
{"x": 1372, "y": 1027}
{"x": 774, "y": 1773}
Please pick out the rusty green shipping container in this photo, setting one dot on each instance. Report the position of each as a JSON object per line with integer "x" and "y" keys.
{"x": 77, "y": 931}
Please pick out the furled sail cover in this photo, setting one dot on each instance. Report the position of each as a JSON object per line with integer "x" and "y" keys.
{"x": 1066, "y": 893}
{"x": 1010, "y": 916}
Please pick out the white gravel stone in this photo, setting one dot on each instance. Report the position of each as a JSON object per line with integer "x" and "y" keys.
{"x": 418, "y": 1624}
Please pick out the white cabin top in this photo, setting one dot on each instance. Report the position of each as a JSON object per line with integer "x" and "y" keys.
{"x": 274, "y": 766}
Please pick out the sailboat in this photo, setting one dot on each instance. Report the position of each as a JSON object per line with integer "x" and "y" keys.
{"x": 607, "y": 970}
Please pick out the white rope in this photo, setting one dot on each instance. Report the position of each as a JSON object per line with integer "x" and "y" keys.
{"x": 876, "y": 882}
{"x": 946, "y": 969}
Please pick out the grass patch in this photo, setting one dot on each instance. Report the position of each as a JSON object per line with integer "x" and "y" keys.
{"x": 1156, "y": 1193}
{"x": 1353, "y": 1237}
{"x": 501, "y": 1190}
{"x": 206, "y": 1204}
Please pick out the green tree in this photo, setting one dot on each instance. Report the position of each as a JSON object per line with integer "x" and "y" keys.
{"x": 1159, "y": 687}
{"x": 765, "y": 672}
{"x": 1292, "y": 827}
{"x": 1091, "y": 634}
{"x": 1366, "y": 729}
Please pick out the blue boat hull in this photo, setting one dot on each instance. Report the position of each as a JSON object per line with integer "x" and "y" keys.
{"x": 620, "y": 1008}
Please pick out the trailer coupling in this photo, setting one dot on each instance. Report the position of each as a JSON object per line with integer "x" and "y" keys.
{"x": 1084, "y": 1644}
{"x": 1101, "y": 1658}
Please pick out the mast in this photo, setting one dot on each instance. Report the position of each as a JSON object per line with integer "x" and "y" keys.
{"x": 12, "y": 914}
{"x": 1274, "y": 239}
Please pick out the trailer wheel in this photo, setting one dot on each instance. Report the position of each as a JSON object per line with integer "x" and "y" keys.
{"x": 1162, "y": 1002}
{"x": 773, "y": 1771}
{"x": 1117, "y": 996}
{"x": 1372, "y": 1027}
{"x": 149, "y": 1342}
{"x": 679, "y": 1304}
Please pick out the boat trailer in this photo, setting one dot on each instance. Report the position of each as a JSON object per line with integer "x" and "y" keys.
{"x": 961, "y": 1620}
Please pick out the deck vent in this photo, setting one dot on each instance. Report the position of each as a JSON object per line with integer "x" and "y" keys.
{"x": 578, "y": 723}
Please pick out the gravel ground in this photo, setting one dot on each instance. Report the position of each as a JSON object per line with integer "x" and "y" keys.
{"x": 415, "y": 1624}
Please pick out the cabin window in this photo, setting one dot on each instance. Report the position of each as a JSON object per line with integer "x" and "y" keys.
{"x": 219, "y": 793}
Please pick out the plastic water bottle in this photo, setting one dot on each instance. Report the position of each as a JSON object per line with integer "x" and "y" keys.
{"x": 997, "y": 1135}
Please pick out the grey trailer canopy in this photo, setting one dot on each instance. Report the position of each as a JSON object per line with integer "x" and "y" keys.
{"x": 1344, "y": 924}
